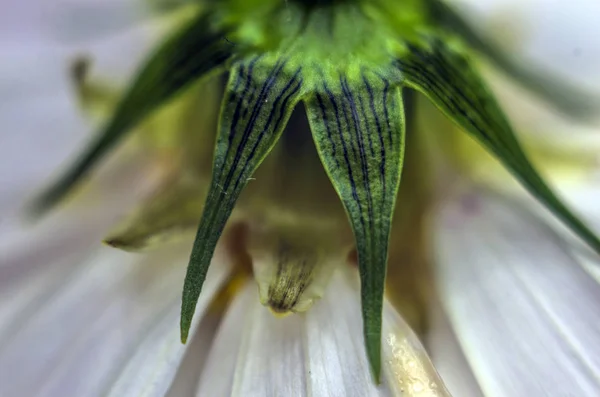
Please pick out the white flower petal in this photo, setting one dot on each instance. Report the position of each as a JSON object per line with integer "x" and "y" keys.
{"x": 217, "y": 378}
{"x": 112, "y": 319}
{"x": 448, "y": 357}
{"x": 186, "y": 380}
{"x": 61, "y": 243}
{"x": 68, "y": 20}
{"x": 336, "y": 357}
{"x": 38, "y": 105}
{"x": 561, "y": 39}
{"x": 523, "y": 310}
{"x": 38, "y": 337}
{"x": 583, "y": 197}
{"x": 556, "y": 40}
{"x": 581, "y": 193}
{"x": 98, "y": 351}
{"x": 248, "y": 361}
{"x": 151, "y": 371}
{"x": 28, "y": 277}
{"x": 407, "y": 367}
{"x": 318, "y": 353}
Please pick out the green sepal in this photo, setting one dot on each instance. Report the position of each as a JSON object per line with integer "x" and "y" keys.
{"x": 564, "y": 97}
{"x": 358, "y": 128}
{"x": 192, "y": 52}
{"x": 258, "y": 101}
{"x": 446, "y": 76}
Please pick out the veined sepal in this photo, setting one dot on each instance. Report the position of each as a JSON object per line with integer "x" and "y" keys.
{"x": 443, "y": 72}
{"x": 191, "y": 53}
{"x": 357, "y": 124}
{"x": 261, "y": 93}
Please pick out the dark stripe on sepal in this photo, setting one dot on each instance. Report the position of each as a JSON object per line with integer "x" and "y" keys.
{"x": 447, "y": 77}
{"x": 253, "y": 117}
{"x": 358, "y": 129}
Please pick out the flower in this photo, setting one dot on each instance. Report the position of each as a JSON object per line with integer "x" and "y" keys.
{"x": 350, "y": 87}
{"x": 78, "y": 319}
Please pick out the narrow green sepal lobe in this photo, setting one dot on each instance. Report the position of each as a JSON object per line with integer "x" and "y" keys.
{"x": 260, "y": 96}
{"x": 189, "y": 54}
{"x": 358, "y": 128}
{"x": 446, "y": 76}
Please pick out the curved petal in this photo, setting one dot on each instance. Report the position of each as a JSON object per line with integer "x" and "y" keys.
{"x": 188, "y": 374}
{"x": 448, "y": 357}
{"x": 90, "y": 323}
{"x": 523, "y": 309}
{"x": 152, "y": 369}
{"x": 319, "y": 353}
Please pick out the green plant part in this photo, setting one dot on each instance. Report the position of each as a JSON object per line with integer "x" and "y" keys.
{"x": 347, "y": 62}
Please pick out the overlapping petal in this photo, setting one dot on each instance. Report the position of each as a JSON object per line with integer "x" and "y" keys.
{"x": 522, "y": 307}
{"x": 87, "y": 320}
{"x": 318, "y": 353}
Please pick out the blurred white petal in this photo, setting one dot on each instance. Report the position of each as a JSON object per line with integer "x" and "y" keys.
{"x": 583, "y": 197}
{"x": 37, "y": 339}
{"x": 186, "y": 380}
{"x": 38, "y": 102}
{"x": 407, "y": 367}
{"x": 152, "y": 369}
{"x": 537, "y": 123}
{"x": 581, "y": 192}
{"x": 318, "y": 353}
{"x": 218, "y": 377}
{"x": 61, "y": 245}
{"x": 448, "y": 357}
{"x": 336, "y": 360}
{"x": 561, "y": 39}
{"x": 523, "y": 309}
{"x": 557, "y": 40}
{"x": 64, "y": 21}
{"x": 74, "y": 323}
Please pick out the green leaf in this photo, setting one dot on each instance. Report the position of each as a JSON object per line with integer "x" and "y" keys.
{"x": 563, "y": 96}
{"x": 358, "y": 129}
{"x": 448, "y": 79}
{"x": 189, "y": 54}
{"x": 258, "y": 101}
